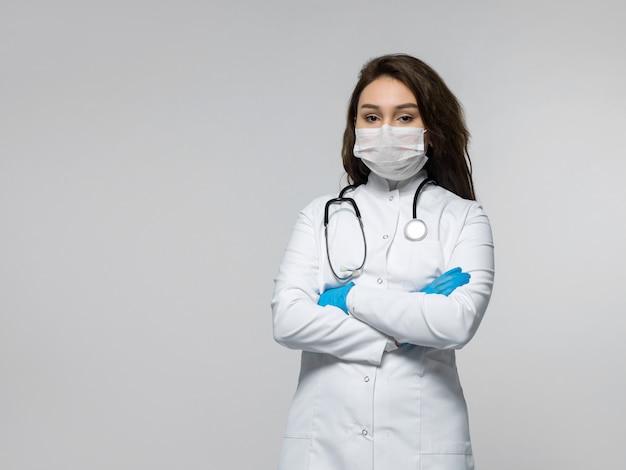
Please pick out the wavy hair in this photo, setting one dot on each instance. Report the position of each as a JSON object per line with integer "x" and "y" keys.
{"x": 449, "y": 163}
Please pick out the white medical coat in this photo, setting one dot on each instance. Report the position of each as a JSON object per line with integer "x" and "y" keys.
{"x": 362, "y": 402}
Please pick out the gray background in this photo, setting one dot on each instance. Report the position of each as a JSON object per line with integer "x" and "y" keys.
{"x": 153, "y": 158}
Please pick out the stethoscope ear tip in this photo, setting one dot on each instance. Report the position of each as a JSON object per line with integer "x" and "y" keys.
{"x": 350, "y": 272}
{"x": 415, "y": 230}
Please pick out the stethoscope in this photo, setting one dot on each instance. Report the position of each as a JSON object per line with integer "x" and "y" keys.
{"x": 414, "y": 230}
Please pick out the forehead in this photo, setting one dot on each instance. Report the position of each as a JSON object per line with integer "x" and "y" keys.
{"x": 386, "y": 90}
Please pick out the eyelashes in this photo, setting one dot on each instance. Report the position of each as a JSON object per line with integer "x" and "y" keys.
{"x": 404, "y": 119}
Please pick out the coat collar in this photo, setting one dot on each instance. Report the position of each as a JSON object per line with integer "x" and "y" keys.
{"x": 380, "y": 186}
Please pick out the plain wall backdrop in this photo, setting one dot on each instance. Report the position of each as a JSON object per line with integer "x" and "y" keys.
{"x": 154, "y": 156}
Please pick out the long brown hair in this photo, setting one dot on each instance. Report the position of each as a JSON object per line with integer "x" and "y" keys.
{"x": 449, "y": 163}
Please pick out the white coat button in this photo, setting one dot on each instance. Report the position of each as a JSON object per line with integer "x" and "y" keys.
{"x": 366, "y": 378}
{"x": 385, "y": 237}
{"x": 391, "y": 198}
{"x": 364, "y": 432}
{"x": 379, "y": 280}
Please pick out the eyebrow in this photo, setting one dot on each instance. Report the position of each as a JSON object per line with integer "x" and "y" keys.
{"x": 400, "y": 106}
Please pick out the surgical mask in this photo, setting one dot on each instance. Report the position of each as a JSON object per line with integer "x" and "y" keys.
{"x": 393, "y": 153}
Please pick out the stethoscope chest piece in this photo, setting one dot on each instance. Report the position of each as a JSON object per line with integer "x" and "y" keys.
{"x": 415, "y": 230}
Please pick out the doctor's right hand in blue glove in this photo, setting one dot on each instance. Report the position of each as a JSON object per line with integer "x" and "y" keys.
{"x": 445, "y": 285}
{"x": 447, "y": 282}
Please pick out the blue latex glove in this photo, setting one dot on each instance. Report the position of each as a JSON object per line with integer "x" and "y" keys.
{"x": 336, "y": 296}
{"x": 447, "y": 282}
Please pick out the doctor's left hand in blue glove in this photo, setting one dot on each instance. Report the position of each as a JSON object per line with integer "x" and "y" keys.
{"x": 444, "y": 285}
{"x": 336, "y": 296}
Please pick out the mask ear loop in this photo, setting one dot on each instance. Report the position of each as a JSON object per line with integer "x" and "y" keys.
{"x": 416, "y": 229}
{"x": 429, "y": 150}
{"x": 338, "y": 200}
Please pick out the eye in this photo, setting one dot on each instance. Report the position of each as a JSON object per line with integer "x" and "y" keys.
{"x": 405, "y": 118}
{"x": 371, "y": 118}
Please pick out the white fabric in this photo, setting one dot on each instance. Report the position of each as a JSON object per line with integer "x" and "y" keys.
{"x": 362, "y": 403}
{"x": 391, "y": 152}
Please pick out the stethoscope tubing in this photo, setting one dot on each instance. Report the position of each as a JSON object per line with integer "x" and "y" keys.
{"x": 357, "y": 212}
{"x": 418, "y": 191}
{"x": 413, "y": 225}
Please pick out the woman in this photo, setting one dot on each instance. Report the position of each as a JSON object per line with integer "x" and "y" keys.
{"x": 378, "y": 309}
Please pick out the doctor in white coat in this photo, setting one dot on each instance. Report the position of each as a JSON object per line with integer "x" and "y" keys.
{"x": 377, "y": 297}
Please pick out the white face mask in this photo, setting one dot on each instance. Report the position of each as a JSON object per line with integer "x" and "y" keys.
{"x": 393, "y": 153}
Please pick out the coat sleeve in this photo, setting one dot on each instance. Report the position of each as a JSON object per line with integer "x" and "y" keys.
{"x": 435, "y": 320}
{"x": 299, "y": 323}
